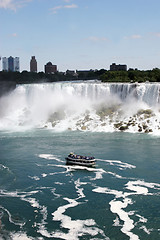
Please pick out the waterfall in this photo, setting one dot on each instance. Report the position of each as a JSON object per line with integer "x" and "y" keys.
{"x": 91, "y": 105}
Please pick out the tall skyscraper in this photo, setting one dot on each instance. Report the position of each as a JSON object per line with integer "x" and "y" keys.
{"x": 5, "y": 64}
{"x": 33, "y": 64}
{"x": 16, "y": 64}
{"x": 10, "y": 64}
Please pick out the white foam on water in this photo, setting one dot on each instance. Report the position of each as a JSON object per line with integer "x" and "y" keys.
{"x": 20, "y": 236}
{"x": 116, "y": 175}
{"x": 58, "y": 183}
{"x": 75, "y": 228}
{"x": 106, "y": 190}
{"x": 3, "y": 167}
{"x": 33, "y": 202}
{"x": 99, "y": 174}
{"x": 36, "y": 178}
{"x": 17, "y": 194}
{"x": 44, "y": 175}
{"x": 50, "y": 157}
{"x": 78, "y": 184}
{"x": 43, "y": 223}
{"x": 148, "y": 231}
{"x": 11, "y": 220}
{"x": 121, "y": 165}
{"x": 141, "y": 218}
{"x": 117, "y": 205}
{"x": 116, "y": 222}
{"x": 141, "y": 187}
{"x": 54, "y": 193}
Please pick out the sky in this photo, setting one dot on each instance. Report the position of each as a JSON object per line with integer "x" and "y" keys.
{"x": 81, "y": 34}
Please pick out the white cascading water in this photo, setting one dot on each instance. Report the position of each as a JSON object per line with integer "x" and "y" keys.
{"x": 86, "y": 106}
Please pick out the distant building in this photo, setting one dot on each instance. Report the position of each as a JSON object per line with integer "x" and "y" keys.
{"x": 5, "y": 64}
{"x": 33, "y": 64}
{"x": 119, "y": 67}
{"x": 10, "y": 64}
{"x": 85, "y": 73}
{"x": 16, "y": 64}
{"x": 49, "y": 68}
{"x": 71, "y": 73}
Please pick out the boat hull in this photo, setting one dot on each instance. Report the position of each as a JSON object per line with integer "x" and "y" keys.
{"x": 80, "y": 162}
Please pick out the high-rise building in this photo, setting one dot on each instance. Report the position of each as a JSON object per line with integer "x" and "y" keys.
{"x": 10, "y": 64}
{"x": 5, "y": 64}
{"x": 16, "y": 64}
{"x": 50, "y": 68}
{"x": 33, "y": 64}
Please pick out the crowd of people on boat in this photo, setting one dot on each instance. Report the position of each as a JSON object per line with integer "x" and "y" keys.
{"x": 75, "y": 156}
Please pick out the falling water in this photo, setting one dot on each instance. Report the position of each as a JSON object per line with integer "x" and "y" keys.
{"x": 86, "y": 106}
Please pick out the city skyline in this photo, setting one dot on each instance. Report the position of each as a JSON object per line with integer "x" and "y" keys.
{"x": 81, "y": 35}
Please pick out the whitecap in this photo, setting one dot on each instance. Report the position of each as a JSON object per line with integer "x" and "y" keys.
{"x": 50, "y": 157}
{"x": 120, "y": 164}
{"x": 141, "y": 218}
{"x": 75, "y": 228}
{"x": 148, "y": 231}
{"x": 20, "y": 236}
{"x": 36, "y": 178}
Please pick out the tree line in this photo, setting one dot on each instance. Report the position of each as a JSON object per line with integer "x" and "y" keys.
{"x": 132, "y": 75}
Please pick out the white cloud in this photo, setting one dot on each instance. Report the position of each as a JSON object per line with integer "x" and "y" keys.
{"x": 134, "y": 36}
{"x": 67, "y": 1}
{"x": 55, "y": 9}
{"x": 13, "y": 4}
{"x": 6, "y": 4}
{"x": 71, "y": 6}
{"x": 97, "y": 39}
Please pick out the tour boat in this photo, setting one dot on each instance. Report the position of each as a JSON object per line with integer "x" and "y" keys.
{"x": 73, "y": 159}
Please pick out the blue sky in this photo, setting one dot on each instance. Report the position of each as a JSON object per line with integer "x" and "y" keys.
{"x": 81, "y": 34}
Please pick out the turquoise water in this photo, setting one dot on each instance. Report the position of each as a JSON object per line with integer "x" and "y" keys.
{"x": 42, "y": 198}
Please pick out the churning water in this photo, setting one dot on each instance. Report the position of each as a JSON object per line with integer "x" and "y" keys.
{"x": 84, "y": 106}
{"x": 42, "y": 198}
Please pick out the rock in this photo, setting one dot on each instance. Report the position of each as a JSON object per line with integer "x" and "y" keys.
{"x": 104, "y": 110}
{"x": 146, "y": 113}
{"x": 140, "y": 129}
{"x": 123, "y": 128}
{"x": 56, "y": 116}
{"x": 54, "y": 124}
{"x": 83, "y": 128}
{"x": 87, "y": 118}
{"x": 118, "y": 125}
{"x": 146, "y": 131}
{"x": 144, "y": 126}
{"x": 150, "y": 130}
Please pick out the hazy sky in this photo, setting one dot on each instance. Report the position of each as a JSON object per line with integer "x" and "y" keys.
{"x": 81, "y": 34}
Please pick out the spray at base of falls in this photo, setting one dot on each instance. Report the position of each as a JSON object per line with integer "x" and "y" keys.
{"x": 85, "y": 106}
